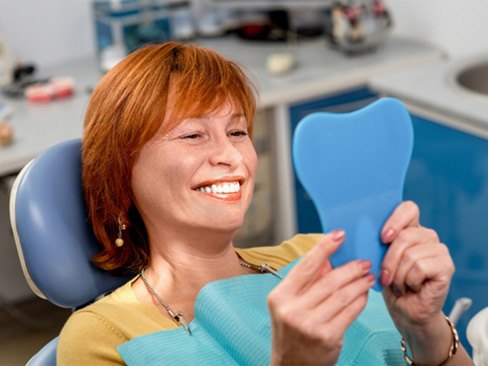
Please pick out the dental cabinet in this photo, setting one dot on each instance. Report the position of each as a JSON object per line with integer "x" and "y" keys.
{"x": 321, "y": 78}
{"x": 448, "y": 179}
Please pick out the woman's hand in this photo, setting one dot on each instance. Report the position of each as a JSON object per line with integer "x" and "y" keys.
{"x": 417, "y": 268}
{"x": 314, "y": 305}
{"x": 416, "y": 272}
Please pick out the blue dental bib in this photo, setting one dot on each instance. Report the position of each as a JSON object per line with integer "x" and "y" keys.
{"x": 232, "y": 327}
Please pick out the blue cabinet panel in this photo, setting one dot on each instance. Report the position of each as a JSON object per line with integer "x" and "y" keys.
{"x": 448, "y": 179}
{"x": 307, "y": 217}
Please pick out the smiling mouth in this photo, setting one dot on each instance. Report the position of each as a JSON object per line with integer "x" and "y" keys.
{"x": 232, "y": 187}
{"x": 228, "y": 191}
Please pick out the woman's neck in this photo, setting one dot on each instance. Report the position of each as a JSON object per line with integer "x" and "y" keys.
{"x": 178, "y": 269}
{"x": 183, "y": 264}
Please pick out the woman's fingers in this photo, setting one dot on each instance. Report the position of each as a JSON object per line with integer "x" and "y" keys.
{"x": 330, "y": 282}
{"x": 347, "y": 315}
{"x": 312, "y": 264}
{"x": 409, "y": 261}
{"x": 413, "y": 258}
{"x": 394, "y": 257}
{"x": 313, "y": 306}
{"x": 428, "y": 268}
{"x": 405, "y": 214}
{"x": 332, "y": 315}
{"x": 343, "y": 298}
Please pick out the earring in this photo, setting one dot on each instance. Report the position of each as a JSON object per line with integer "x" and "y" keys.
{"x": 119, "y": 242}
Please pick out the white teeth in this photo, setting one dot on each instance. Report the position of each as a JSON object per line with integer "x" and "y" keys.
{"x": 232, "y": 187}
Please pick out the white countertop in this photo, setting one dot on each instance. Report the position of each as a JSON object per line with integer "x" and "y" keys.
{"x": 320, "y": 71}
{"x": 432, "y": 88}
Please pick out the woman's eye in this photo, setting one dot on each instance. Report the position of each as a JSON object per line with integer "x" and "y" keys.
{"x": 238, "y": 133}
{"x": 192, "y": 136}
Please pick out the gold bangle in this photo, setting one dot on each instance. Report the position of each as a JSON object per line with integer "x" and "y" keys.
{"x": 452, "y": 350}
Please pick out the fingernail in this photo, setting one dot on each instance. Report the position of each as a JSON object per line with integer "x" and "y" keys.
{"x": 365, "y": 266}
{"x": 385, "y": 277}
{"x": 388, "y": 235}
{"x": 337, "y": 235}
{"x": 371, "y": 279}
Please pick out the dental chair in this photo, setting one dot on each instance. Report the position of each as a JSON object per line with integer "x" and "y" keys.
{"x": 54, "y": 239}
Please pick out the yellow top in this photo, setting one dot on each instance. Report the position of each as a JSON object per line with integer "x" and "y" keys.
{"x": 92, "y": 334}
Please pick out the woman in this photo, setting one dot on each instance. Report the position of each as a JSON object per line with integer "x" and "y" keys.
{"x": 168, "y": 173}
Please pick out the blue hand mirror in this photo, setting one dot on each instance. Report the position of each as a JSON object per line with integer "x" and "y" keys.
{"x": 353, "y": 166}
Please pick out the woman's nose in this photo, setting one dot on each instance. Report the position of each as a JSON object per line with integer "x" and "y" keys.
{"x": 225, "y": 153}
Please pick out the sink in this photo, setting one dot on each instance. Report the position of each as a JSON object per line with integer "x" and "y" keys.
{"x": 473, "y": 77}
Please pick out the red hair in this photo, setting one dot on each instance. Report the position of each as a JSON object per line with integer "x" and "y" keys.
{"x": 125, "y": 111}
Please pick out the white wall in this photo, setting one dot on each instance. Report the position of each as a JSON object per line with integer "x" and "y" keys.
{"x": 460, "y": 27}
{"x": 47, "y": 31}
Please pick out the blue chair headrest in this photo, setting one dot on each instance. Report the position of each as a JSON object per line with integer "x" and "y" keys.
{"x": 53, "y": 236}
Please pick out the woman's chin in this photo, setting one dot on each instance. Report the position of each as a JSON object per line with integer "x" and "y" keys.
{"x": 229, "y": 227}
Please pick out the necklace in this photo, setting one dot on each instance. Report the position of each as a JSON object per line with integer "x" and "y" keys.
{"x": 263, "y": 268}
{"x": 178, "y": 317}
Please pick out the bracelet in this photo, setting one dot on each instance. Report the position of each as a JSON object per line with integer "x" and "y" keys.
{"x": 452, "y": 350}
